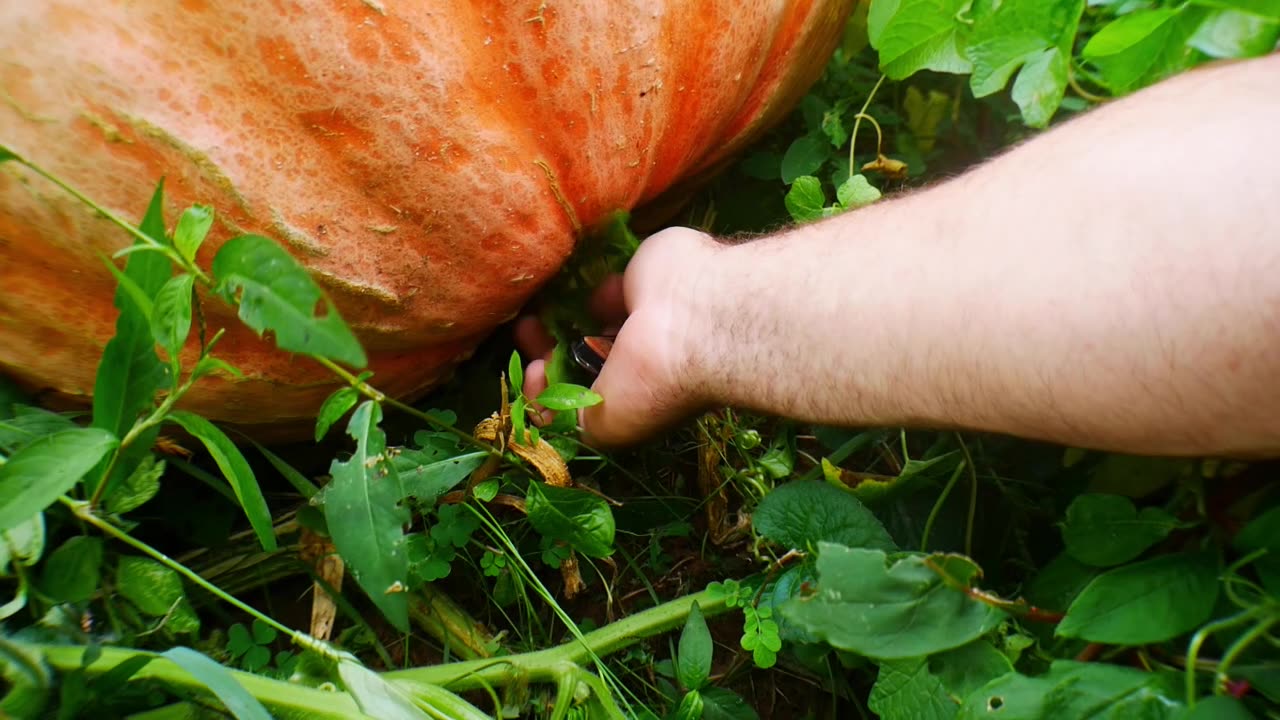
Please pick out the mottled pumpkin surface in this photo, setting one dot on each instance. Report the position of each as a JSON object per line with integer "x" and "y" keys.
{"x": 431, "y": 162}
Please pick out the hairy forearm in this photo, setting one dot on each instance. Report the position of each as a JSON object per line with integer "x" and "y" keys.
{"x": 1113, "y": 283}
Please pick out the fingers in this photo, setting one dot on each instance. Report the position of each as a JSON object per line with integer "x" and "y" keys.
{"x": 608, "y": 302}
{"x": 532, "y": 338}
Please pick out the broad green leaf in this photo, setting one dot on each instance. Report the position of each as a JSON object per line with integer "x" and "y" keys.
{"x": 192, "y": 228}
{"x": 1035, "y": 35}
{"x": 487, "y": 490}
{"x": 152, "y": 587}
{"x": 693, "y": 658}
{"x": 805, "y": 156}
{"x": 138, "y": 487}
{"x": 905, "y": 689}
{"x": 28, "y": 424}
{"x": 1106, "y": 530}
{"x": 129, "y": 373}
{"x": 856, "y": 192}
{"x": 690, "y": 707}
{"x": 171, "y": 315}
{"x": 277, "y": 294}
{"x": 969, "y": 667}
{"x": 801, "y": 514}
{"x": 237, "y": 472}
{"x": 515, "y": 372}
{"x": 566, "y": 396}
{"x": 1143, "y": 47}
{"x": 1216, "y": 707}
{"x": 1263, "y": 533}
{"x": 219, "y": 680}
{"x": 427, "y": 483}
{"x": 806, "y": 199}
{"x": 1040, "y": 86}
{"x": 724, "y": 704}
{"x": 887, "y": 610}
{"x": 36, "y": 475}
{"x": 72, "y": 572}
{"x": 1073, "y": 691}
{"x": 1235, "y": 34}
{"x": 365, "y": 518}
{"x": 334, "y": 407}
{"x": 915, "y": 35}
{"x": 577, "y": 517}
{"x": 1146, "y": 602}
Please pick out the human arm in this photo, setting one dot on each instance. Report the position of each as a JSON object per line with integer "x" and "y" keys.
{"x": 1113, "y": 283}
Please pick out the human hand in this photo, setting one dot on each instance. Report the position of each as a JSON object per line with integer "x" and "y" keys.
{"x": 652, "y": 379}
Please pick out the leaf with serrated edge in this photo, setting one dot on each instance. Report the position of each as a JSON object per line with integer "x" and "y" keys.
{"x": 365, "y": 518}
{"x": 237, "y": 472}
{"x": 36, "y": 475}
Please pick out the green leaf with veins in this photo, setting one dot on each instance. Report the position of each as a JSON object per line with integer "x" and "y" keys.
{"x": 575, "y": 516}
{"x": 856, "y": 191}
{"x": 192, "y": 228}
{"x": 365, "y": 518}
{"x": 806, "y": 200}
{"x": 567, "y": 396}
{"x": 236, "y": 470}
{"x": 915, "y": 35}
{"x": 1034, "y": 35}
{"x": 1146, "y": 602}
{"x": 1144, "y": 47}
{"x": 801, "y": 514}
{"x": 238, "y": 701}
{"x": 71, "y": 573}
{"x": 33, "y": 478}
{"x": 277, "y": 294}
{"x": 906, "y": 689}
{"x": 693, "y": 658}
{"x": 1105, "y": 530}
{"x": 427, "y": 482}
{"x": 883, "y": 609}
{"x": 171, "y": 314}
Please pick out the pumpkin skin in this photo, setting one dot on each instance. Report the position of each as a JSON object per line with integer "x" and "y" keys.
{"x": 432, "y": 162}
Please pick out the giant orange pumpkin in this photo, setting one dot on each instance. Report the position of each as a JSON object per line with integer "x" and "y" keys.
{"x": 432, "y": 162}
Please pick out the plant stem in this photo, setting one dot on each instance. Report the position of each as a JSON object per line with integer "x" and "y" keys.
{"x": 857, "y": 122}
{"x": 1193, "y": 647}
{"x": 937, "y": 507}
{"x": 547, "y": 665}
{"x": 84, "y": 511}
{"x": 284, "y": 699}
{"x": 1238, "y": 647}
